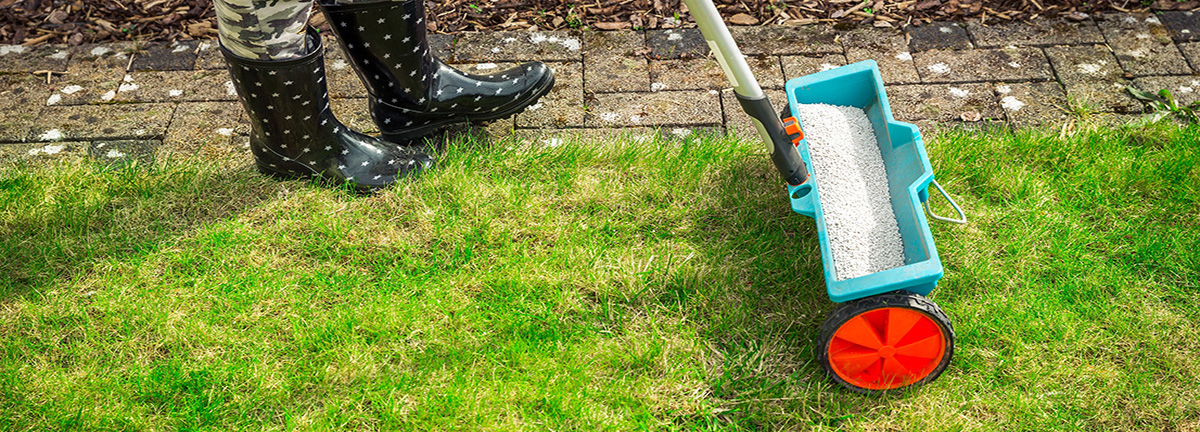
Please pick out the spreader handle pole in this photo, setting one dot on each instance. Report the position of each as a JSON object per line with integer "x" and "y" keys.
{"x": 749, "y": 94}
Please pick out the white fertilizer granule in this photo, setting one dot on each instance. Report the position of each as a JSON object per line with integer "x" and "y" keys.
{"x": 852, "y": 181}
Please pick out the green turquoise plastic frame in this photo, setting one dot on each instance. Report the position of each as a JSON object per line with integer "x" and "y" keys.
{"x": 908, "y": 173}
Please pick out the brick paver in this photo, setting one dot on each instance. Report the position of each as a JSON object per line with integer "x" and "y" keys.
{"x": 888, "y": 48}
{"x": 939, "y": 36}
{"x": 22, "y": 98}
{"x": 1184, "y": 25}
{"x": 774, "y": 40}
{"x": 1005, "y": 64}
{"x": 1037, "y": 32}
{"x": 121, "y": 121}
{"x": 517, "y": 46}
{"x": 1143, "y": 45}
{"x": 205, "y": 129}
{"x": 161, "y": 56}
{"x": 706, "y": 74}
{"x": 1185, "y": 89}
{"x": 19, "y": 58}
{"x": 664, "y": 108}
{"x": 1191, "y": 51}
{"x": 616, "y": 63}
{"x": 944, "y": 102}
{"x": 676, "y": 43}
{"x": 1033, "y": 104}
{"x": 1092, "y": 78}
{"x": 563, "y": 107}
{"x": 178, "y": 86}
{"x": 125, "y": 102}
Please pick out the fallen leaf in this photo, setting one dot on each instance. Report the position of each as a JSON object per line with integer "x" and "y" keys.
{"x": 611, "y": 25}
{"x": 57, "y": 17}
{"x": 743, "y": 19}
{"x": 971, "y": 116}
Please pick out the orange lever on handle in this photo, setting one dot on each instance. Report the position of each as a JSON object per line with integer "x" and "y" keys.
{"x": 792, "y": 127}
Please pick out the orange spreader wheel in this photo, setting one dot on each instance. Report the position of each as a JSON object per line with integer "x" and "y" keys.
{"x": 886, "y": 342}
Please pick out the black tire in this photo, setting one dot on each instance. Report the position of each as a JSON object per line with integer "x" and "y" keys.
{"x": 898, "y": 299}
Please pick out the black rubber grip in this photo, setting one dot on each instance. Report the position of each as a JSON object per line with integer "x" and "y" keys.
{"x": 786, "y": 158}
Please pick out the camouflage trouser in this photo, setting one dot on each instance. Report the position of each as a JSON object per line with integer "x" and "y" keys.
{"x": 265, "y": 29}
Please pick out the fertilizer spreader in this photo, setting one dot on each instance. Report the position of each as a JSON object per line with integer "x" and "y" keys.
{"x": 885, "y": 335}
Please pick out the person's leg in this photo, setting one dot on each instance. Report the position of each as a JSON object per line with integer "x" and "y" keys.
{"x": 412, "y": 92}
{"x": 263, "y": 29}
{"x": 277, "y": 65}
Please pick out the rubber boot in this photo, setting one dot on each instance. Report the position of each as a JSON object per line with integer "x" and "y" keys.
{"x": 295, "y": 135}
{"x": 412, "y": 92}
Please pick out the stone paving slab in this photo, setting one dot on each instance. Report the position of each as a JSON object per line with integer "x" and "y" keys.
{"x": 176, "y": 86}
{"x": 797, "y": 66}
{"x": 944, "y": 102}
{"x": 123, "y": 152}
{"x": 1043, "y": 31}
{"x": 1083, "y": 64}
{"x": 517, "y": 46}
{"x": 441, "y": 45}
{"x": 1185, "y": 89}
{"x": 617, "y": 62}
{"x": 676, "y": 43}
{"x": 706, "y": 74}
{"x": 20, "y": 58}
{"x": 1143, "y": 45}
{"x": 779, "y": 40}
{"x": 93, "y": 75}
{"x": 85, "y": 85}
{"x": 889, "y": 48}
{"x": 22, "y": 97}
{"x": 497, "y": 130}
{"x": 114, "y": 153}
{"x": 340, "y": 76}
{"x": 208, "y": 56}
{"x": 1191, "y": 51}
{"x": 1008, "y": 64}
{"x": 354, "y": 113}
{"x": 122, "y": 121}
{"x": 1033, "y": 104}
{"x": 103, "y": 55}
{"x": 601, "y": 136}
{"x": 63, "y": 151}
{"x": 163, "y": 56}
{"x": 1184, "y": 25}
{"x": 1092, "y": 77}
{"x": 205, "y": 129}
{"x": 563, "y": 106}
{"x": 665, "y": 108}
{"x": 939, "y": 36}
{"x": 1107, "y": 97}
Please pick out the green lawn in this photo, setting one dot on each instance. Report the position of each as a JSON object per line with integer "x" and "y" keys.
{"x": 591, "y": 286}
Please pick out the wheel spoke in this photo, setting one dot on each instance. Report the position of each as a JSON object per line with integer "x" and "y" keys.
{"x": 900, "y": 322}
{"x": 928, "y": 348}
{"x": 859, "y": 332}
{"x": 894, "y": 370}
{"x": 913, "y": 363}
{"x": 851, "y": 365}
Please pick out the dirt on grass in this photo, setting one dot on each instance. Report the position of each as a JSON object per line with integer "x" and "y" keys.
{"x": 74, "y": 22}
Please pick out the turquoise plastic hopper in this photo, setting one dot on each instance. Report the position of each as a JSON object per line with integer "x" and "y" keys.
{"x": 908, "y": 172}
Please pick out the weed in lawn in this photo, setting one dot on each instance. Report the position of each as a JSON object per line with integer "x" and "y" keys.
{"x": 593, "y": 285}
{"x": 1163, "y": 104}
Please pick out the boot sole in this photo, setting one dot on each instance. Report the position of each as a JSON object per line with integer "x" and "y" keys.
{"x": 427, "y": 129}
